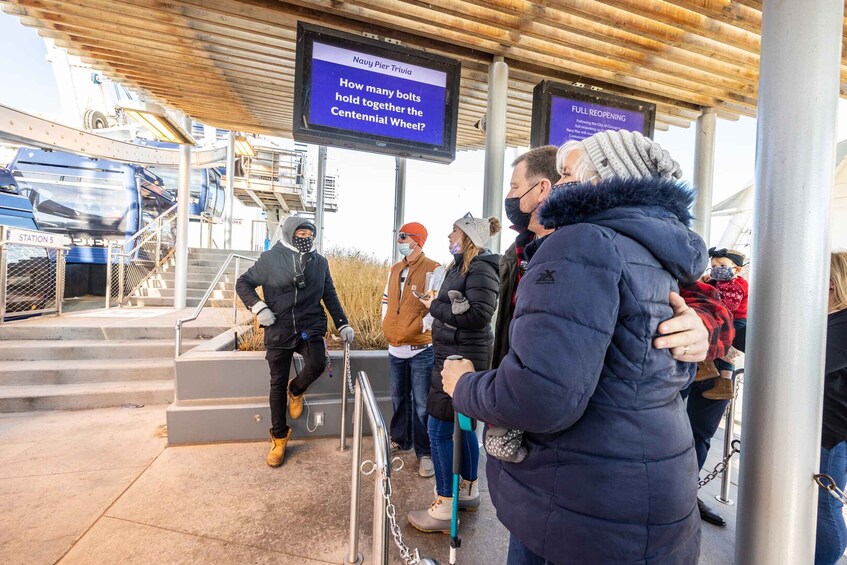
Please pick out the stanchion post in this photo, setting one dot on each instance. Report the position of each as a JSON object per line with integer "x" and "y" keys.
{"x": 353, "y": 555}
{"x": 346, "y": 370}
{"x": 728, "y": 436}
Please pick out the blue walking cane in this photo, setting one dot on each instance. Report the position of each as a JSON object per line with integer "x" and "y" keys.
{"x": 460, "y": 423}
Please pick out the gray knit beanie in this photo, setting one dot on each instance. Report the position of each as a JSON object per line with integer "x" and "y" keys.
{"x": 477, "y": 229}
{"x": 628, "y": 154}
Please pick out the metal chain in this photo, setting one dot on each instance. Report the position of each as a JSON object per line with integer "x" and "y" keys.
{"x": 827, "y": 483}
{"x": 409, "y": 558}
{"x": 348, "y": 373}
{"x": 721, "y": 466}
{"x": 739, "y": 382}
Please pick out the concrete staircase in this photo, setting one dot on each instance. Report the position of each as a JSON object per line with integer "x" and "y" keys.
{"x": 72, "y": 367}
{"x": 203, "y": 265}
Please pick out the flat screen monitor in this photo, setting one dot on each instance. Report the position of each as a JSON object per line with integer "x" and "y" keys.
{"x": 562, "y": 112}
{"x": 358, "y": 93}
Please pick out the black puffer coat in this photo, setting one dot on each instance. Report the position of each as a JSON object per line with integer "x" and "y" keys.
{"x": 468, "y": 334}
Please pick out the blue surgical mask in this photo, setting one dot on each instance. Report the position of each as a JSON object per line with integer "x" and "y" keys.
{"x": 722, "y": 273}
{"x": 455, "y": 248}
{"x": 405, "y": 249}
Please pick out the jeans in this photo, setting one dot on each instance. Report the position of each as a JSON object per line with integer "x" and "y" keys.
{"x": 441, "y": 438}
{"x": 831, "y": 538}
{"x": 410, "y": 381}
{"x": 705, "y": 416}
{"x": 519, "y": 554}
{"x": 279, "y": 362}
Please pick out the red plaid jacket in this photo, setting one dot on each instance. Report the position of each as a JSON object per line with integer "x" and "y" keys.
{"x": 704, "y": 300}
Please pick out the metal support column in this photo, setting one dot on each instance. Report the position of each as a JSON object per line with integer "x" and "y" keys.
{"x": 495, "y": 143}
{"x": 704, "y": 172}
{"x": 230, "y": 189}
{"x": 795, "y": 161}
{"x": 181, "y": 253}
{"x": 399, "y": 202}
{"x": 319, "y": 199}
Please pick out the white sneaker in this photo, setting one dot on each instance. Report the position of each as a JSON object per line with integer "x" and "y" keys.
{"x": 425, "y": 468}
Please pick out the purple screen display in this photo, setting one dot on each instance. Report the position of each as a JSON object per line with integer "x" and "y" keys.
{"x": 576, "y": 119}
{"x": 367, "y": 102}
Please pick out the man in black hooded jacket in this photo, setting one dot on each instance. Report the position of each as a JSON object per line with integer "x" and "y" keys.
{"x": 294, "y": 279}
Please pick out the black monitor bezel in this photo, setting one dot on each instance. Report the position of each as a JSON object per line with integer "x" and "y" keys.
{"x": 307, "y": 34}
{"x": 542, "y": 103}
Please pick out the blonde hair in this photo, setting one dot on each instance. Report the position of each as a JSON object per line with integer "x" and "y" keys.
{"x": 838, "y": 278}
{"x": 469, "y": 248}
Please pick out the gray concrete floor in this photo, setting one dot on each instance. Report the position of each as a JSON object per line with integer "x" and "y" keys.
{"x": 100, "y": 486}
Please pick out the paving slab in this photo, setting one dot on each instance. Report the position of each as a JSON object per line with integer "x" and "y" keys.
{"x": 119, "y": 541}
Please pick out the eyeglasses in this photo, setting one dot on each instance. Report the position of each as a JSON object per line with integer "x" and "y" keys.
{"x": 404, "y": 235}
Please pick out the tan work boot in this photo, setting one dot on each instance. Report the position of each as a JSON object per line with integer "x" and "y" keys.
{"x": 468, "y": 495}
{"x": 436, "y": 518}
{"x": 295, "y": 405}
{"x": 723, "y": 390}
{"x": 706, "y": 370}
{"x": 277, "y": 453}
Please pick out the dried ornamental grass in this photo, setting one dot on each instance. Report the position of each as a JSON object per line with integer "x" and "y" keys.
{"x": 360, "y": 281}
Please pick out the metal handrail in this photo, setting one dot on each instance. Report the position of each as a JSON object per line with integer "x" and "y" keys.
{"x": 125, "y": 250}
{"x": 364, "y": 397}
{"x": 208, "y": 293}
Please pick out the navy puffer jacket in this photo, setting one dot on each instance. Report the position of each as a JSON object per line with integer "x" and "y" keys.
{"x": 611, "y": 475}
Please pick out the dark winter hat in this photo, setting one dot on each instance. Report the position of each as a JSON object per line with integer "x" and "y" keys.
{"x": 308, "y": 225}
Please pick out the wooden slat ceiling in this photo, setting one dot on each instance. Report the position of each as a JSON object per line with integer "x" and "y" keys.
{"x": 230, "y": 63}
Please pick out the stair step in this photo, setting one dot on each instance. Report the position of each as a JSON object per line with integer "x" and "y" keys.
{"x": 149, "y": 301}
{"x": 219, "y": 293}
{"x": 10, "y": 332}
{"x": 85, "y": 395}
{"x": 37, "y": 350}
{"x": 64, "y": 372}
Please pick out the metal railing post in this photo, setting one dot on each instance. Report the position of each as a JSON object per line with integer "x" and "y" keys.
{"x": 3, "y": 274}
{"x": 353, "y": 555}
{"x": 234, "y": 294}
{"x": 58, "y": 292}
{"x": 61, "y": 289}
{"x": 728, "y": 436}
{"x": 158, "y": 240}
{"x": 121, "y": 278}
{"x": 109, "y": 274}
{"x": 344, "y": 398}
{"x": 178, "y": 343}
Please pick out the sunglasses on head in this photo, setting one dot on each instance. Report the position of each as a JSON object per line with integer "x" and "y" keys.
{"x": 404, "y": 235}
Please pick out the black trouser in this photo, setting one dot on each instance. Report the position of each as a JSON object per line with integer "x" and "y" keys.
{"x": 279, "y": 362}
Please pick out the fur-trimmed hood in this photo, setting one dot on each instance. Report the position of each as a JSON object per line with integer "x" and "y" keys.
{"x": 653, "y": 212}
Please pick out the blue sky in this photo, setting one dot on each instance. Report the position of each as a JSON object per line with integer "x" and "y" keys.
{"x": 436, "y": 194}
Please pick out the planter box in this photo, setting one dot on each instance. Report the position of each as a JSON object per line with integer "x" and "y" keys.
{"x": 222, "y": 395}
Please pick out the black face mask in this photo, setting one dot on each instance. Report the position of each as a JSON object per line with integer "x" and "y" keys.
{"x": 302, "y": 244}
{"x": 517, "y": 216}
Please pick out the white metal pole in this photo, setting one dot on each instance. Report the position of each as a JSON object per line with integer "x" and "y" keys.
{"x": 495, "y": 143}
{"x": 319, "y": 200}
{"x": 230, "y": 189}
{"x": 704, "y": 172}
{"x": 399, "y": 202}
{"x": 795, "y": 159}
{"x": 181, "y": 254}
